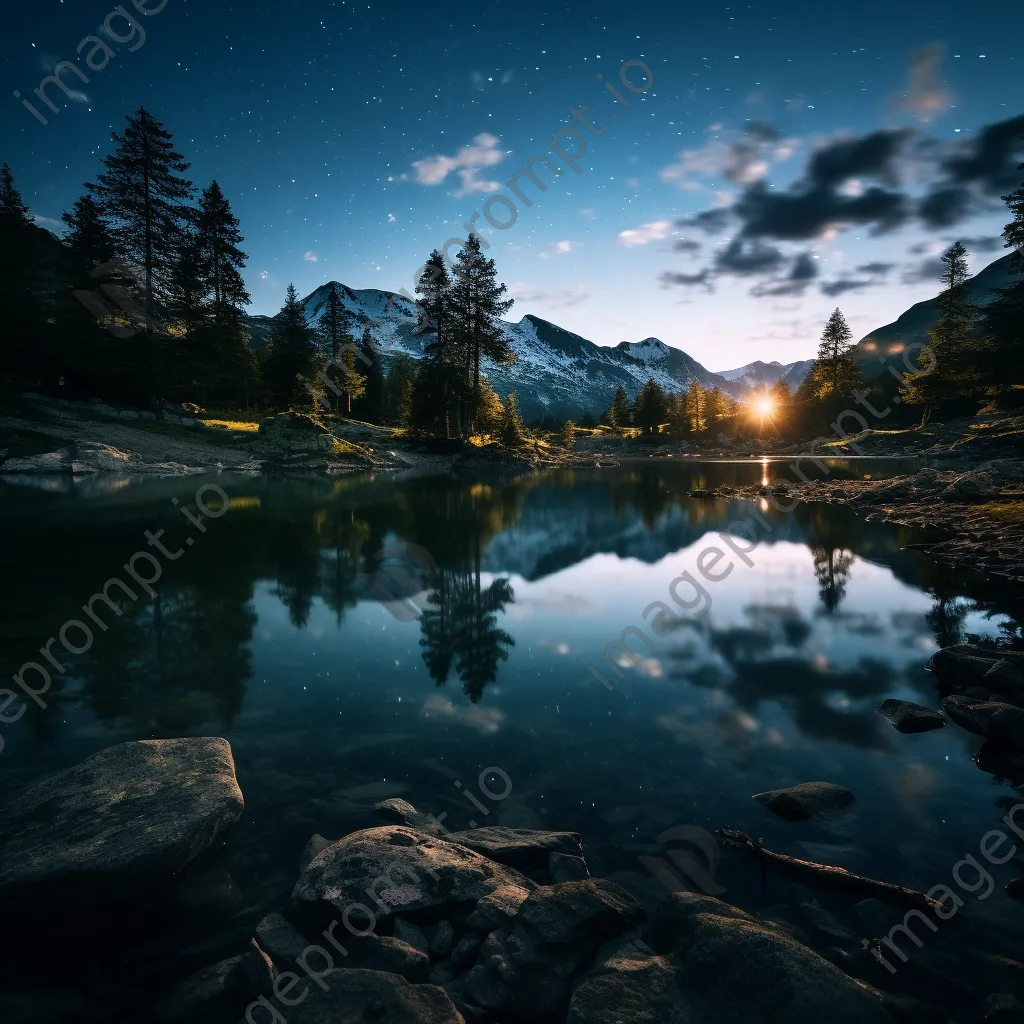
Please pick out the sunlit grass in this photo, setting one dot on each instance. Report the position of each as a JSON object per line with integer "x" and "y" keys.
{"x": 1011, "y": 511}
{"x": 239, "y": 426}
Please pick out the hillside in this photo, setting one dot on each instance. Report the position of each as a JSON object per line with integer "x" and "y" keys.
{"x": 556, "y": 372}
{"x": 876, "y": 349}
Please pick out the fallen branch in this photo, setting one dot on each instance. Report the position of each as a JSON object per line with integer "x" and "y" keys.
{"x": 897, "y": 894}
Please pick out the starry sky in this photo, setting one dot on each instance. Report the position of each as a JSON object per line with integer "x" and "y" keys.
{"x": 777, "y": 160}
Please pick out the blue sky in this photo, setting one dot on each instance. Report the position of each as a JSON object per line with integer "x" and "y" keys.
{"x": 353, "y": 138}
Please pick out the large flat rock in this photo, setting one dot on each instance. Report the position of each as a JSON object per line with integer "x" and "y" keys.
{"x": 394, "y": 869}
{"x": 115, "y": 829}
{"x": 712, "y": 963}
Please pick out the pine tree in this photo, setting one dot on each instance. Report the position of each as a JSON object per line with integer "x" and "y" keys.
{"x": 293, "y": 353}
{"x": 476, "y": 305}
{"x": 948, "y": 371}
{"x": 650, "y": 407}
{"x": 719, "y": 405}
{"x": 696, "y": 403}
{"x": 511, "y": 425}
{"x": 619, "y": 415}
{"x": 20, "y": 289}
{"x": 834, "y": 375}
{"x": 568, "y": 435}
{"x": 233, "y": 367}
{"x": 1003, "y": 320}
{"x": 399, "y": 389}
{"x": 333, "y": 327}
{"x": 87, "y": 241}
{"x": 371, "y": 406}
{"x": 445, "y": 356}
{"x": 143, "y": 198}
{"x": 678, "y": 422}
{"x": 489, "y": 411}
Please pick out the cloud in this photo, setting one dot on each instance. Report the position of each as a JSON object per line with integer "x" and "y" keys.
{"x": 485, "y": 721}
{"x": 983, "y": 243}
{"x": 571, "y": 296}
{"x": 310, "y": 257}
{"x": 802, "y": 271}
{"x": 926, "y": 97}
{"x": 48, "y": 62}
{"x": 879, "y": 181}
{"x": 926, "y": 270}
{"x": 687, "y": 245}
{"x": 467, "y": 163}
{"x": 744, "y": 160}
{"x": 556, "y": 248}
{"x": 702, "y": 279}
{"x": 651, "y": 232}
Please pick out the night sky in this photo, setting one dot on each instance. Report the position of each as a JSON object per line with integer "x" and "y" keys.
{"x": 783, "y": 159}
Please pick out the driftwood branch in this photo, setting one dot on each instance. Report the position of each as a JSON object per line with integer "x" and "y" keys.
{"x": 896, "y": 894}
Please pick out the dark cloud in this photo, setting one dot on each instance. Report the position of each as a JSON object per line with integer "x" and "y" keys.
{"x": 944, "y": 207}
{"x": 983, "y": 244}
{"x": 711, "y": 222}
{"x": 869, "y": 156}
{"x": 762, "y": 131}
{"x": 744, "y": 258}
{"x": 846, "y": 285}
{"x": 990, "y": 159}
{"x": 698, "y": 280}
{"x": 687, "y": 245}
{"x": 803, "y": 270}
{"x": 876, "y": 269}
{"x": 799, "y": 215}
{"x": 927, "y": 270}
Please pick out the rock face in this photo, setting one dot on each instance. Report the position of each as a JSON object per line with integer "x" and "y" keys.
{"x": 711, "y": 963}
{"x": 359, "y": 996}
{"x": 906, "y": 716}
{"x": 406, "y": 870}
{"x": 808, "y": 800}
{"x": 521, "y": 848}
{"x": 993, "y": 719}
{"x": 73, "y": 846}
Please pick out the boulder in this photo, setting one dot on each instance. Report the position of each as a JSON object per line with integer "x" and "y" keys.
{"x": 975, "y": 484}
{"x": 401, "y": 812}
{"x": 498, "y": 908}
{"x": 807, "y": 800}
{"x": 411, "y": 935}
{"x": 961, "y": 666}
{"x": 208, "y": 996}
{"x": 357, "y": 996}
{"x": 1004, "y": 677}
{"x": 441, "y": 939}
{"x": 563, "y": 868}
{"x": 908, "y": 717}
{"x": 594, "y": 908}
{"x": 521, "y": 848}
{"x": 524, "y": 971}
{"x": 316, "y": 845}
{"x": 995, "y": 720}
{"x": 712, "y": 963}
{"x": 280, "y": 939}
{"x": 396, "y": 869}
{"x": 115, "y": 830}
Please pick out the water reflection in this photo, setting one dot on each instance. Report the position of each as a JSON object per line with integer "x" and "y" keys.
{"x": 184, "y": 661}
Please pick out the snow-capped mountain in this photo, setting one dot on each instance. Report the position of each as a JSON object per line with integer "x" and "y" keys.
{"x": 761, "y": 374}
{"x": 556, "y": 372}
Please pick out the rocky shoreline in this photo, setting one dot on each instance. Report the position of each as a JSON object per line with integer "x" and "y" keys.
{"x": 979, "y": 512}
{"x": 120, "y": 858}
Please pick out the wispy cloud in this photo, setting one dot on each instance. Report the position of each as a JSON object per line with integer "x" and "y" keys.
{"x": 557, "y": 248}
{"x": 467, "y": 163}
{"x": 926, "y": 96}
{"x": 653, "y": 231}
{"x": 571, "y": 296}
{"x": 310, "y": 257}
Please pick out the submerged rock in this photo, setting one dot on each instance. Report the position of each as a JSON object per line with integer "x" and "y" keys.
{"x": 115, "y": 830}
{"x": 995, "y": 720}
{"x": 807, "y": 800}
{"x": 908, "y": 717}
{"x": 710, "y": 963}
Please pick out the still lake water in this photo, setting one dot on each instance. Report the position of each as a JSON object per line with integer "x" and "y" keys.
{"x": 267, "y": 631}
